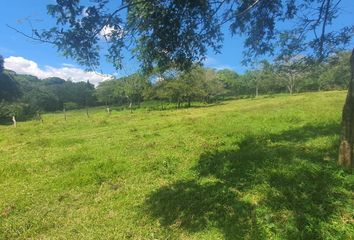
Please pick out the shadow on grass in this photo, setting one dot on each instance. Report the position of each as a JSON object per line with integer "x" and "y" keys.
{"x": 265, "y": 186}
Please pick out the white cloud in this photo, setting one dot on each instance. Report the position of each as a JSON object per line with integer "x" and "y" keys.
{"x": 221, "y": 67}
{"x": 214, "y": 63}
{"x": 25, "y": 66}
{"x": 84, "y": 12}
{"x": 107, "y": 31}
{"x": 68, "y": 65}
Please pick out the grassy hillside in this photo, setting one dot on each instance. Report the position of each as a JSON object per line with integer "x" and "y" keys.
{"x": 245, "y": 169}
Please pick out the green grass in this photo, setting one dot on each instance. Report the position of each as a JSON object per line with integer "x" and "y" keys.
{"x": 244, "y": 169}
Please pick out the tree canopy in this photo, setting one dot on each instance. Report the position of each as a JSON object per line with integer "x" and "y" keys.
{"x": 179, "y": 32}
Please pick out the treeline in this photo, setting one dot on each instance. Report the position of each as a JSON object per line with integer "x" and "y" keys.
{"x": 26, "y": 96}
{"x": 284, "y": 75}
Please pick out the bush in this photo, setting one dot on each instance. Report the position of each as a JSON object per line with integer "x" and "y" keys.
{"x": 19, "y": 110}
{"x": 71, "y": 105}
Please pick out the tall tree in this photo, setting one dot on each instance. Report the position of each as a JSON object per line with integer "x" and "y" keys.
{"x": 133, "y": 88}
{"x": 105, "y": 92}
{"x": 213, "y": 86}
{"x": 290, "y": 69}
{"x": 192, "y": 85}
{"x": 229, "y": 79}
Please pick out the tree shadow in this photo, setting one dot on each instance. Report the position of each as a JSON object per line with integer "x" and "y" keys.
{"x": 194, "y": 206}
{"x": 264, "y": 185}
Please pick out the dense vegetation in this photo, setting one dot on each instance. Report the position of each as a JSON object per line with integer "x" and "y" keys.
{"x": 243, "y": 169}
{"x": 27, "y": 96}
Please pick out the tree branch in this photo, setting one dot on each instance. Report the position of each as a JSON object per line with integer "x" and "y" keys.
{"x": 28, "y": 36}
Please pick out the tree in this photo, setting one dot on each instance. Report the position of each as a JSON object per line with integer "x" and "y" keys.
{"x": 10, "y": 109}
{"x": 175, "y": 89}
{"x": 335, "y": 73}
{"x": 192, "y": 84}
{"x": 251, "y": 82}
{"x": 1, "y": 64}
{"x": 35, "y": 95}
{"x": 178, "y": 32}
{"x": 9, "y": 88}
{"x": 213, "y": 86}
{"x": 133, "y": 87}
{"x": 290, "y": 69}
{"x": 160, "y": 91}
{"x": 196, "y": 83}
{"x": 105, "y": 92}
{"x": 229, "y": 79}
{"x": 257, "y": 79}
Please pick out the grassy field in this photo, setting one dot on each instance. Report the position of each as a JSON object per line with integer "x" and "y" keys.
{"x": 244, "y": 169}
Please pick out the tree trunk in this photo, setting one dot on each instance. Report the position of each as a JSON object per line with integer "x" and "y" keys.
{"x": 346, "y": 148}
{"x": 257, "y": 91}
{"x": 291, "y": 90}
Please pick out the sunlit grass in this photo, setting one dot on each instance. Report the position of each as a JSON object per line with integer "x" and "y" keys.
{"x": 242, "y": 169}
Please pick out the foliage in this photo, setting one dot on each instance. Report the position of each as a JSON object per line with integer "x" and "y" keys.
{"x": 177, "y": 33}
{"x": 33, "y": 95}
{"x": 213, "y": 86}
{"x": 290, "y": 70}
{"x": 71, "y": 106}
{"x": 229, "y": 79}
{"x": 133, "y": 87}
{"x": 196, "y": 84}
{"x": 130, "y": 89}
{"x": 9, "y": 89}
{"x": 105, "y": 92}
{"x": 10, "y": 109}
{"x": 336, "y": 73}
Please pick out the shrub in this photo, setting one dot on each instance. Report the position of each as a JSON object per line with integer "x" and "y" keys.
{"x": 71, "y": 105}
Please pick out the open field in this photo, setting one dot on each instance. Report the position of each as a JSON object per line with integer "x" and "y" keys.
{"x": 244, "y": 169}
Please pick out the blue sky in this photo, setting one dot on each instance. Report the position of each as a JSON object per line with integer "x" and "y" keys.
{"x": 45, "y": 59}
